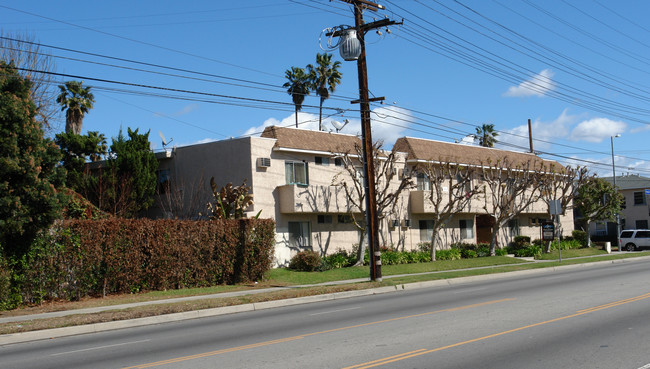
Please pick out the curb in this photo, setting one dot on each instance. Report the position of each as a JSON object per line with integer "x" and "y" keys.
{"x": 12, "y": 338}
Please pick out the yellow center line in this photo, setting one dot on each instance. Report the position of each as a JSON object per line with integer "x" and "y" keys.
{"x": 288, "y": 339}
{"x": 420, "y": 352}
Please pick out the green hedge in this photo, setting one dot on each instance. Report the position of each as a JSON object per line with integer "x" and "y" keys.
{"x": 98, "y": 257}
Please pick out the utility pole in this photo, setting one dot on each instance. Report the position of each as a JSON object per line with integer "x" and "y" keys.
{"x": 372, "y": 221}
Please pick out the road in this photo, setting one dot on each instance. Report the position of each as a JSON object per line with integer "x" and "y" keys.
{"x": 593, "y": 317}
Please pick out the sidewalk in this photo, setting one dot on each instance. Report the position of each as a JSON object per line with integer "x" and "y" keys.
{"x": 137, "y": 322}
{"x": 99, "y": 309}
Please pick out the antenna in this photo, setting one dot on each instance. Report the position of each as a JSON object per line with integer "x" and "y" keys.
{"x": 164, "y": 142}
{"x": 339, "y": 126}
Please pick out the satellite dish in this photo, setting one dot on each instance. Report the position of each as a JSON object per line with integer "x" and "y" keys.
{"x": 339, "y": 126}
{"x": 164, "y": 142}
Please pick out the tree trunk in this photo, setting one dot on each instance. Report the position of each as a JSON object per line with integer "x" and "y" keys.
{"x": 589, "y": 236}
{"x": 493, "y": 239}
{"x": 362, "y": 249}
{"x": 296, "y": 116}
{"x": 433, "y": 247}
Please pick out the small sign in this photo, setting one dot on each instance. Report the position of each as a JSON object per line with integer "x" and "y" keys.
{"x": 647, "y": 192}
{"x": 548, "y": 231}
{"x": 555, "y": 207}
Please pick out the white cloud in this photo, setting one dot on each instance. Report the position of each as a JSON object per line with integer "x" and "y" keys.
{"x": 597, "y": 129}
{"x": 388, "y": 124}
{"x": 538, "y": 85}
{"x": 184, "y": 111}
{"x": 640, "y": 129}
{"x": 542, "y": 131}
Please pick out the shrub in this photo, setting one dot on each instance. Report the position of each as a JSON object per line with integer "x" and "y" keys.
{"x": 501, "y": 252}
{"x": 464, "y": 246}
{"x": 450, "y": 254}
{"x": 305, "y": 261}
{"x": 482, "y": 250}
{"x": 521, "y": 242}
{"x": 340, "y": 259}
{"x": 580, "y": 236}
{"x": 468, "y": 254}
{"x": 529, "y": 251}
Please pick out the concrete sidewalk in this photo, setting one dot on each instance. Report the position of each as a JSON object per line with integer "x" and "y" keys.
{"x": 56, "y": 314}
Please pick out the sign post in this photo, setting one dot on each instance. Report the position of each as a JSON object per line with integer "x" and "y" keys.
{"x": 555, "y": 208}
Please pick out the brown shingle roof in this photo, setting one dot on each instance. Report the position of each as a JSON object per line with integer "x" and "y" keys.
{"x": 421, "y": 149}
{"x": 301, "y": 139}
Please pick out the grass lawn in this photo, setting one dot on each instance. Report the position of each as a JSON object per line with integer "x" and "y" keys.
{"x": 573, "y": 253}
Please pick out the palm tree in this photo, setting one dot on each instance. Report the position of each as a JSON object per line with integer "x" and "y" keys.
{"x": 486, "y": 135}
{"x": 299, "y": 86}
{"x": 78, "y": 100}
{"x": 325, "y": 77}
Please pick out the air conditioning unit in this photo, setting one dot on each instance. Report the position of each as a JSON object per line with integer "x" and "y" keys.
{"x": 264, "y": 162}
{"x": 395, "y": 223}
{"x": 406, "y": 223}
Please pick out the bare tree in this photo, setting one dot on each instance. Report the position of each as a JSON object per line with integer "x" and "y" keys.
{"x": 388, "y": 186}
{"x": 182, "y": 200}
{"x": 450, "y": 192}
{"x": 33, "y": 63}
{"x": 562, "y": 184}
{"x": 509, "y": 190}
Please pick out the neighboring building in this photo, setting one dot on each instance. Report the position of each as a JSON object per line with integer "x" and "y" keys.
{"x": 635, "y": 212}
{"x": 291, "y": 171}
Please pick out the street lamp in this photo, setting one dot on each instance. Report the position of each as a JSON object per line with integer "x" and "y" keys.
{"x": 618, "y": 220}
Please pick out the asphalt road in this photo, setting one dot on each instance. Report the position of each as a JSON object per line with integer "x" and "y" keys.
{"x": 596, "y": 317}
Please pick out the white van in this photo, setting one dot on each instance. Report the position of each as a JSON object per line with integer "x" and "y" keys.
{"x": 635, "y": 239}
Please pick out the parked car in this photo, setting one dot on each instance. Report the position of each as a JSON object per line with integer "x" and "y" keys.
{"x": 635, "y": 239}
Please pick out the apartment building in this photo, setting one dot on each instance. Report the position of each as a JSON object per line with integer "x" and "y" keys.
{"x": 635, "y": 212}
{"x": 295, "y": 178}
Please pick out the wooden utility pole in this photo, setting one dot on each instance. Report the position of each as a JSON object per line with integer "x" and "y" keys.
{"x": 372, "y": 219}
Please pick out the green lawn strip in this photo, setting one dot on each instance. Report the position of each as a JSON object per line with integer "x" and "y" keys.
{"x": 573, "y": 253}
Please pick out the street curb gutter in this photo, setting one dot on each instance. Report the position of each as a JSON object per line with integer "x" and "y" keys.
{"x": 138, "y": 322}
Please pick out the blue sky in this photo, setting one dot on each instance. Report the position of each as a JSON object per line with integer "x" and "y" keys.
{"x": 577, "y": 69}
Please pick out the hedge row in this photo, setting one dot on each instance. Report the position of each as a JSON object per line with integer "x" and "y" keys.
{"x": 98, "y": 257}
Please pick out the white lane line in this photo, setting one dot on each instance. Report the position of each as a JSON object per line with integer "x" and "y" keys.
{"x": 99, "y": 347}
{"x": 335, "y": 311}
{"x": 647, "y": 366}
{"x": 470, "y": 290}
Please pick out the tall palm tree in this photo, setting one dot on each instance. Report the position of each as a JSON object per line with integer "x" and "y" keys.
{"x": 298, "y": 86}
{"x": 77, "y": 101}
{"x": 325, "y": 77}
{"x": 486, "y": 135}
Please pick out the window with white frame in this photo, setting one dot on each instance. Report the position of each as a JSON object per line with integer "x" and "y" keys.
{"x": 296, "y": 173}
{"x": 466, "y": 228}
{"x": 422, "y": 182}
{"x": 299, "y": 234}
{"x": 426, "y": 230}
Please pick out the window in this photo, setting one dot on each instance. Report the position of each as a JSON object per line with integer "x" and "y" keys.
{"x": 642, "y": 234}
{"x": 468, "y": 184}
{"x": 324, "y": 219}
{"x": 624, "y": 203}
{"x": 338, "y": 162}
{"x": 639, "y": 198}
{"x": 426, "y": 230}
{"x": 296, "y": 173}
{"x": 422, "y": 182}
{"x": 321, "y": 160}
{"x": 641, "y": 224}
{"x": 163, "y": 180}
{"x": 344, "y": 218}
{"x": 513, "y": 224}
{"x": 299, "y": 234}
{"x": 466, "y": 228}
{"x": 601, "y": 228}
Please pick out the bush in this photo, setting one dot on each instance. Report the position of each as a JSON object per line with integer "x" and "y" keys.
{"x": 450, "y": 254}
{"x": 529, "y": 251}
{"x": 468, "y": 254}
{"x": 521, "y": 242}
{"x": 340, "y": 259}
{"x": 580, "y": 236}
{"x": 305, "y": 261}
{"x": 501, "y": 252}
{"x": 482, "y": 250}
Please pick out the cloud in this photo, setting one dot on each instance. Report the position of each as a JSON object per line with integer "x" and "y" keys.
{"x": 597, "y": 129}
{"x": 542, "y": 131}
{"x": 184, "y": 111}
{"x": 538, "y": 85}
{"x": 640, "y": 129}
{"x": 388, "y": 124}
